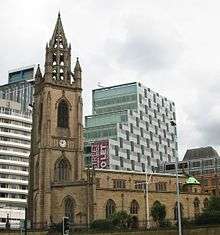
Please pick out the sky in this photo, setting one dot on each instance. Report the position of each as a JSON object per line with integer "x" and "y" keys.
{"x": 172, "y": 47}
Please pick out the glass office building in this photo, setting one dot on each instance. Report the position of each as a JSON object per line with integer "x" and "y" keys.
{"x": 136, "y": 122}
{"x": 19, "y": 87}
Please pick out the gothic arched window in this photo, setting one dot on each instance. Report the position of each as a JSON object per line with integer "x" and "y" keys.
{"x": 62, "y": 170}
{"x": 110, "y": 208}
{"x": 134, "y": 207}
{"x": 196, "y": 207}
{"x": 63, "y": 114}
{"x": 37, "y": 174}
{"x": 69, "y": 205}
{"x": 206, "y": 202}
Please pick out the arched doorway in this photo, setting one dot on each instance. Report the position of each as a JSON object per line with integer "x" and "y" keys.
{"x": 69, "y": 208}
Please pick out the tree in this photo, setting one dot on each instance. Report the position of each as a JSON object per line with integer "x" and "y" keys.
{"x": 211, "y": 214}
{"x": 121, "y": 219}
{"x": 158, "y": 212}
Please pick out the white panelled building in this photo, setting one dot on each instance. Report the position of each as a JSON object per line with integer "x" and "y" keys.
{"x": 15, "y": 139}
{"x": 136, "y": 122}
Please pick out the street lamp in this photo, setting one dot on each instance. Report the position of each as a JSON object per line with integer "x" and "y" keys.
{"x": 146, "y": 191}
{"x": 173, "y": 123}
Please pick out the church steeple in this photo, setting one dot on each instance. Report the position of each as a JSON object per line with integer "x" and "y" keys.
{"x": 58, "y": 57}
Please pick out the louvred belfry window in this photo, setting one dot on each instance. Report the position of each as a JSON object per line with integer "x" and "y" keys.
{"x": 63, "y": 115}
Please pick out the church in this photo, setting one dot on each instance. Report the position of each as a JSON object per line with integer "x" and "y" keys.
{"x": 59, "y": 183}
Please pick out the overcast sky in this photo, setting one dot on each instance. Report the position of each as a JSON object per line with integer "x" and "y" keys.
{"x": 171, "y": 46}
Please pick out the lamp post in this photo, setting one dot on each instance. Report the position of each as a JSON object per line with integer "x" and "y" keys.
{"x": 173, "y": 123}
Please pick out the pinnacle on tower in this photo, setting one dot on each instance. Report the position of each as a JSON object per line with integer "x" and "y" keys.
{"x": 77, "y": 66}
{"x": 38, "y": 74}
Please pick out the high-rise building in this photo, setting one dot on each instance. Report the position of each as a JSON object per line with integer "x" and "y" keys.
{"x": 15, "y": 137}
{"x": 136, "y": 123}
{"x": 19, "y": 87}
{"x": 203, "y": 163}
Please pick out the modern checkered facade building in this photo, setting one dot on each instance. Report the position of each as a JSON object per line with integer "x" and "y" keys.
{"x": 136, "y": 121}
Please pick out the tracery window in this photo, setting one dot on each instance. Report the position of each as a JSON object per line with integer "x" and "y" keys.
{"x": 134, "y": 207}
{"x": 196, "y": 207}
{"x": 63, "y": 115}
{"x": 206, "y": 202}
{"x": 110, "y": 208}
{"x": 62, "y": 170}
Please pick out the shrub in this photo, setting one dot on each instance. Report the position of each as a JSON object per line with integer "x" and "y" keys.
{"x": 158, "y": 212}
{"x": 121, "y": 219}
{"x": 102, "y": 224}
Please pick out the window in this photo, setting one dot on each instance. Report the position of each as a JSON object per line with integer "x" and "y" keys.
{"x": 138, "y": 157}
{"x": 148, "y": 161}
{"x": 150, "y": 119}
{"x": 152, "y": 152}
{"x": 62, "y": 170}
{"x": 164, "y": 133}
{"x": 128, "y": 154}
{"x": 121, "y": 142}
{"x": 160, "y": 139}
{"x": 69, "y": 208}
{"x": 119, "y": 184}
{"x": 147, "y": 126}
{"x": 206, "y": 202}
{"x": 110, "y": 208}
{"x": 163, "y": 102}
{"x": 132, "y": 165}
{"x": 145, "y": 93}
{"x": 121, "y": 162}
{"x": 151, "y": 136}
{"x": 131, "y": 127}
{"x": 161, "y": 156}
{"x": 156, "y": 130}
{"x": 165, "y": 149}
{"x": 134, "y": 207}
{"x": 158, "y": 108}
{"x": 159, "y": 123}
{"x": 137, "y": 121}
{"x": 167, "y": 125}
{"x": 196, "y": 207}
{"x": 155, "y": 113}
{"x": 132, "y": 146}
{"x": 157, "y": 146}
{"x": 163, "y": 115}
{"x": 154, "y": 98}
{"x": 148, "y": 143}
{"x": 146, "y": 110}
{"x": 37, "y": 174}
{"x": 149, "y": 103}
{"x": 127, "y": 135}
{"x": 142, "y": 132}
{"x": 143, "y": 167}
{"x": 116, "y": 150}
{"x": 161, "y": 186}
{"x": 138, "y": 139}
{"x": 141, "y": 115}
{"x": 63, "y": 115}
{"x": 168, "y": 142}
{"x": 142, "y": 149}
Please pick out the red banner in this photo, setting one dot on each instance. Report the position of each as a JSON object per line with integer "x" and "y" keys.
{"x": 100, "y": 154}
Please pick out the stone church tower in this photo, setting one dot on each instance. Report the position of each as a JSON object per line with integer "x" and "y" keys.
{"x": 57, "y": 187}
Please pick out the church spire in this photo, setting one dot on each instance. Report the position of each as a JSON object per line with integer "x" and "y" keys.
{"x": 58, "y": 39}
{"x": 58, "y": 56}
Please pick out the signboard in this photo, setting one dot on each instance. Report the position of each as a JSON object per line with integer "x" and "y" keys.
{"x": 100, "y": 154}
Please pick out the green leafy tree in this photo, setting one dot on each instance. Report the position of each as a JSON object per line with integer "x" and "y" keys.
{"x": 211, "y": 214}
{"x": 121, "y": 219}
{"x": 158, "y": 212}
